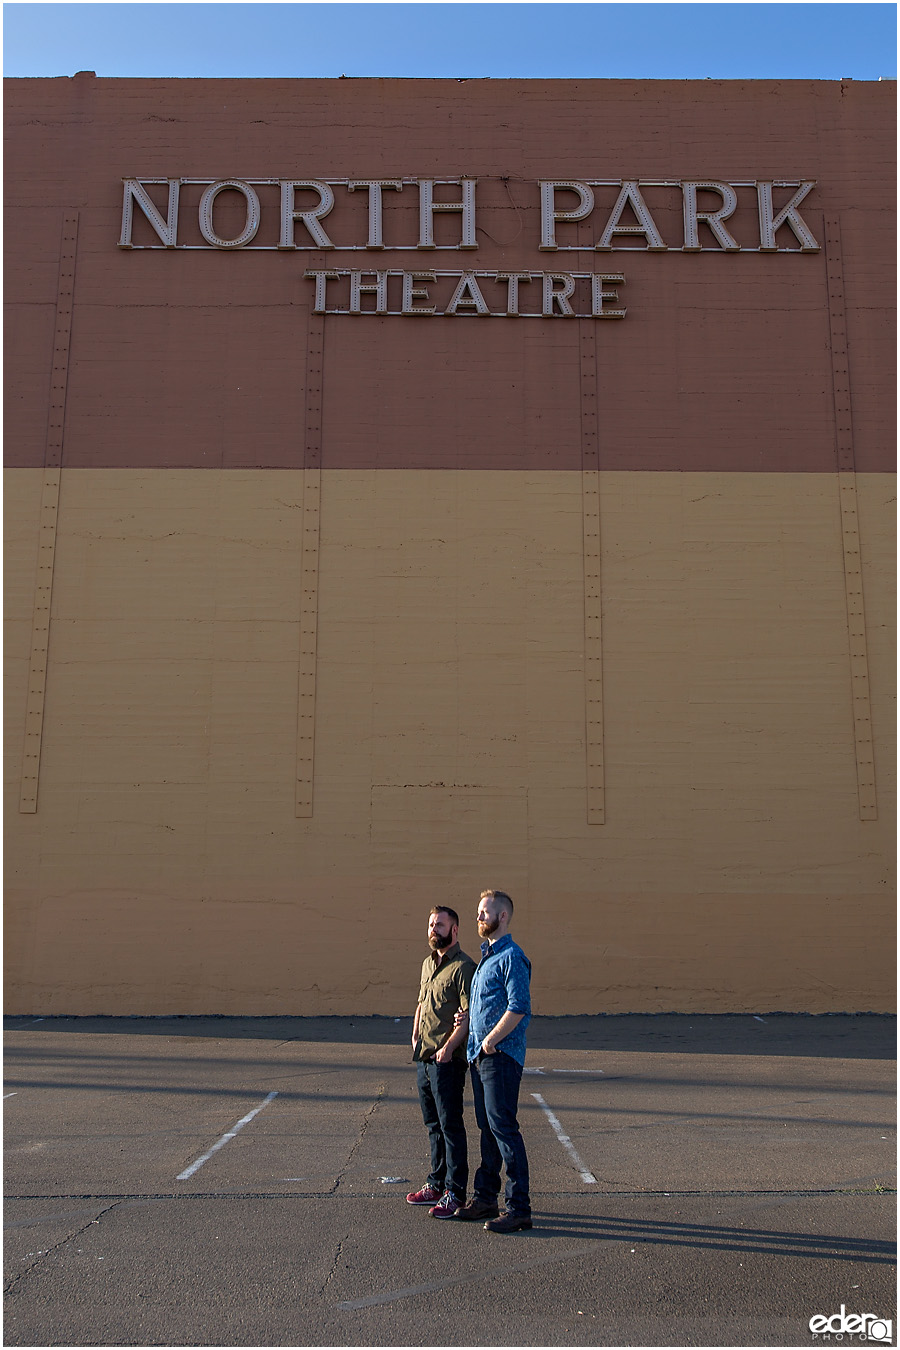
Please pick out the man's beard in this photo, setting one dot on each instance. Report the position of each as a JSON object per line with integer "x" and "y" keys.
{"x": 439, "y": 944}
{"x": 485, "y": 928}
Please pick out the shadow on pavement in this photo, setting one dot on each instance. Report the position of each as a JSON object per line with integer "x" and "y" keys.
{"x": 828, "y": 1035}
{"x": 824, "y": 1246}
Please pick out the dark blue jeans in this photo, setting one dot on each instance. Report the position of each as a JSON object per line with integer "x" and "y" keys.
{"x": 495, "y": 1084}
{"x": 441, "y": 1097}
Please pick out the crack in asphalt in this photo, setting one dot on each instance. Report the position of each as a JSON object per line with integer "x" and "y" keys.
{"x": 850, "y": 1189}
{"x": 10, "y": 1286}
{"x": 334, "y": 1265}
{"x": 362, "y": 1134}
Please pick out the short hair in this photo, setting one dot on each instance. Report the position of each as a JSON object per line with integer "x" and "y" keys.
{"x": 498, "y": 895}
{"x": 445, "y": 909}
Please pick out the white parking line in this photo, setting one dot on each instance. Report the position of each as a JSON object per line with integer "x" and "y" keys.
{"x": 220, "y": 1143}
{"x": 545, "y": 1071}
{"x": 587, "y": 1177}
{"x": 417, "y": 1290}
{"x": 9, "y": 1094}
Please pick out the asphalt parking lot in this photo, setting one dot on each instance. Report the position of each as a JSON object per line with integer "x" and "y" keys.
{"x": 697, "y": 1181}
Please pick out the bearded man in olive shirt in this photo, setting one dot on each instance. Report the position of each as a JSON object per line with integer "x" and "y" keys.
{"x": 439, "y": 1048}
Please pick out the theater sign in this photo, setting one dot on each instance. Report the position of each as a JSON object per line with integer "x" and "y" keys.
{"x": 614, "y": 215}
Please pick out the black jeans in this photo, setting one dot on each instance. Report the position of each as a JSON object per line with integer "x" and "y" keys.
{"x": 495, "y": 1084}
{"x": 441, "y": 1097}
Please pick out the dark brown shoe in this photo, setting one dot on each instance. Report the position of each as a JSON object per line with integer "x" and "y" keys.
{"x": 508, "y": 1223}
{"x": 479, "y": 1209}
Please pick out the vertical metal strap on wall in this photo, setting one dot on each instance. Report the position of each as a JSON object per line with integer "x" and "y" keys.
{"x": 590, "y": 496}
{"x": 846, "y": 464}
{"x": 43, "y": 591}
{"x": 309, "y": 567}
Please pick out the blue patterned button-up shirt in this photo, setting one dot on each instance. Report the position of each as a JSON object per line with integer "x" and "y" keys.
{"x": 502, "y": 983}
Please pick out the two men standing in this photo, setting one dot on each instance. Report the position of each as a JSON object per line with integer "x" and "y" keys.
{"x": 488, "y": 1009}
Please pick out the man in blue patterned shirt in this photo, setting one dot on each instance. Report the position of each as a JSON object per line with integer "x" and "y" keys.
{"x": 499, "y": 1012}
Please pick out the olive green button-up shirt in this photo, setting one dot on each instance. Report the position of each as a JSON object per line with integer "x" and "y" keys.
{"x": 443, "y": 990}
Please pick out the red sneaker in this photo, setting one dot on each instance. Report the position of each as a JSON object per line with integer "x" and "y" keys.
{"x": 447, "y": 1208}
{"x": 426, "y": 1196}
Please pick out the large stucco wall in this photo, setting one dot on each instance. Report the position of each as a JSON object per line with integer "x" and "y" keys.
{"x": 165, "y": 869}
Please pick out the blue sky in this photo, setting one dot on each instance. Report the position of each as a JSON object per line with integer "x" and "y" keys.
{"x": 637, "y": 40}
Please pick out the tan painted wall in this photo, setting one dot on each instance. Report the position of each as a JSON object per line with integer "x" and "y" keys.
{"x": 165, "y": 870}
{"x": 187, "y": 400}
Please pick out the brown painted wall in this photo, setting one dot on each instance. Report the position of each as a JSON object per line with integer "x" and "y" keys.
{"x": 165, "y": 869}
{"x": 719, "y": 364}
